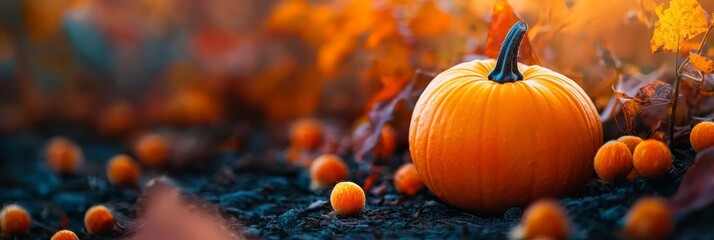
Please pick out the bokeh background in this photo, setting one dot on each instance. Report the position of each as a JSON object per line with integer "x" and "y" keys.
{"x": 114, "y": 67}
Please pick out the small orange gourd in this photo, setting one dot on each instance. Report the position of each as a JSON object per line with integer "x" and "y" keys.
{"x": 152, "y": 150}
{"x": 306, "y": 134}
{"x": 347, "y": 199}
{"x": 488, "y": 135}
{"x": 119, "y": 118}
{"x": 388, "y": 142}
{"x": 407, "y": 181}
{"x": 631, "y": 142}
{"x": 613, "y": 161}
{"x": 14, "y": 220}
{"x": 64, "y": 235}
{"x": 63, "y": 155}
{"x": 327, "y": 170}
{"x": 652, "y": 159}
{"x": 649, "y": 218}
{"x": 99, "y": 220}
{"x": 122, "y": 171}
{"x": 544, "y": 219}
{"x": 702, "y": 136}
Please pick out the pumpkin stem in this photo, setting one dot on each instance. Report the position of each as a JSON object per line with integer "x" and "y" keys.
{"x": 506, "y": 69}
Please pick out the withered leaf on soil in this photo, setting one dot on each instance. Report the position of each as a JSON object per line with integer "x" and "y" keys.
{"x": 683, "y": 20}
{"x": 166, "y": 214}
{"x": 697, "y": 187}
{"x": 502, "y": 19}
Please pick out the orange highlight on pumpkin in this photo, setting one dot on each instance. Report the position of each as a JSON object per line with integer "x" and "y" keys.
{"x": 64, "y": 235}
{"x": 652, "y": 159}
{"x": 613, "y": 161}
{"x": 306, "y": 134}
{"x": 327, "y": 170}
{"x": 123, "y": 171}
{"x": 649, "y": 218}
{"x": 63, "y": 155}
{"x": 14, "y": 220}
{"x": 544, "y": 219}
{"x": 347, "y": 199}
{"x": 702, "y": 136}
{"x": 98, "y": 220}
{"x": 152, "y": 150}
{"x": 407, "y": 181}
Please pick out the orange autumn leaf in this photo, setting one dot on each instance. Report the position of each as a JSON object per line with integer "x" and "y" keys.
{"x": 702, "y": 63}
{"x": 392, "y": 85}
{"x": 630, "y": 109}
{"x": 430, "y": 21}
{"x": 683, "y": 20}
{"x": 502, "y": 18}
{"x": 287, "y": 16}
{"x": 386, "y": 29}
{"x": 333, "y": 52}
{"x": 357, "y": 17}
{"x": 320, "y": 24}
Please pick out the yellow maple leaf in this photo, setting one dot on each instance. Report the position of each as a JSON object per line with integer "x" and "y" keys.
{"x": 702, "y": 63}
{"x": 683, "y": 20}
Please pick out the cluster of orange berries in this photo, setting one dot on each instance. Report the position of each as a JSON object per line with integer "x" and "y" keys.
{"x": 64, "y": 156}
{"x": 629, "y": 156}
{"x": 328, "y": 170}
{"x": 15, "y": 221}
{"x": 648, "y": 218}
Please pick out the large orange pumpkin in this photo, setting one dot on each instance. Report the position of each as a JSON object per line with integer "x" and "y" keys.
{"x": 485, "y": 137}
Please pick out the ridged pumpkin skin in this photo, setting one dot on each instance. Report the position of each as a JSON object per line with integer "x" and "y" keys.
{"x": 486, "y": 146}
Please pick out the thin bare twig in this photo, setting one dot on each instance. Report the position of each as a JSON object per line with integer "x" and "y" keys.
{"x": 678, "y": 72}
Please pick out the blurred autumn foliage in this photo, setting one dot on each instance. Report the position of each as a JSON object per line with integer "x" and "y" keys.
{"x": 122, "y": 65}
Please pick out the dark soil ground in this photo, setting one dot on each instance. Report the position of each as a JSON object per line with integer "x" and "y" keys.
{"x": 272, "y": 201}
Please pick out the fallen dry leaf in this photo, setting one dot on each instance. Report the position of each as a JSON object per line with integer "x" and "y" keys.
{"x": 697, "y": 187}
{"x": 702, "y": 63}
{"x": 502, "y": 19}
{"x": 683, "y": 20}
{"x": 430, "y": 21}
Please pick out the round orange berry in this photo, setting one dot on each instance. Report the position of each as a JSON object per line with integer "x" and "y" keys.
{"x": 613, "y": 161}
{"x": 152, "y": 150}
{"x": 64, "y": 235}
{"x": 652, "y": 159}
{"x": 306, "y": 134}
{"x": 630, "y": 141}
{"x": 648, "y": 218}
{"x": 327, "y": 170}
{"x": 14, "y": 220}
{"x": 117, "y": 119}
{"x": 388, "y": 141}
{"x": 544, "y": 219}
{"x": 347, "y": 199}
{"x": 63, "y": 155}
{"x": 702, "y": 136}
{"x": 407, "y": 180}
{"x": 123, "y": 171}
{"x": 98, "y": 219}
